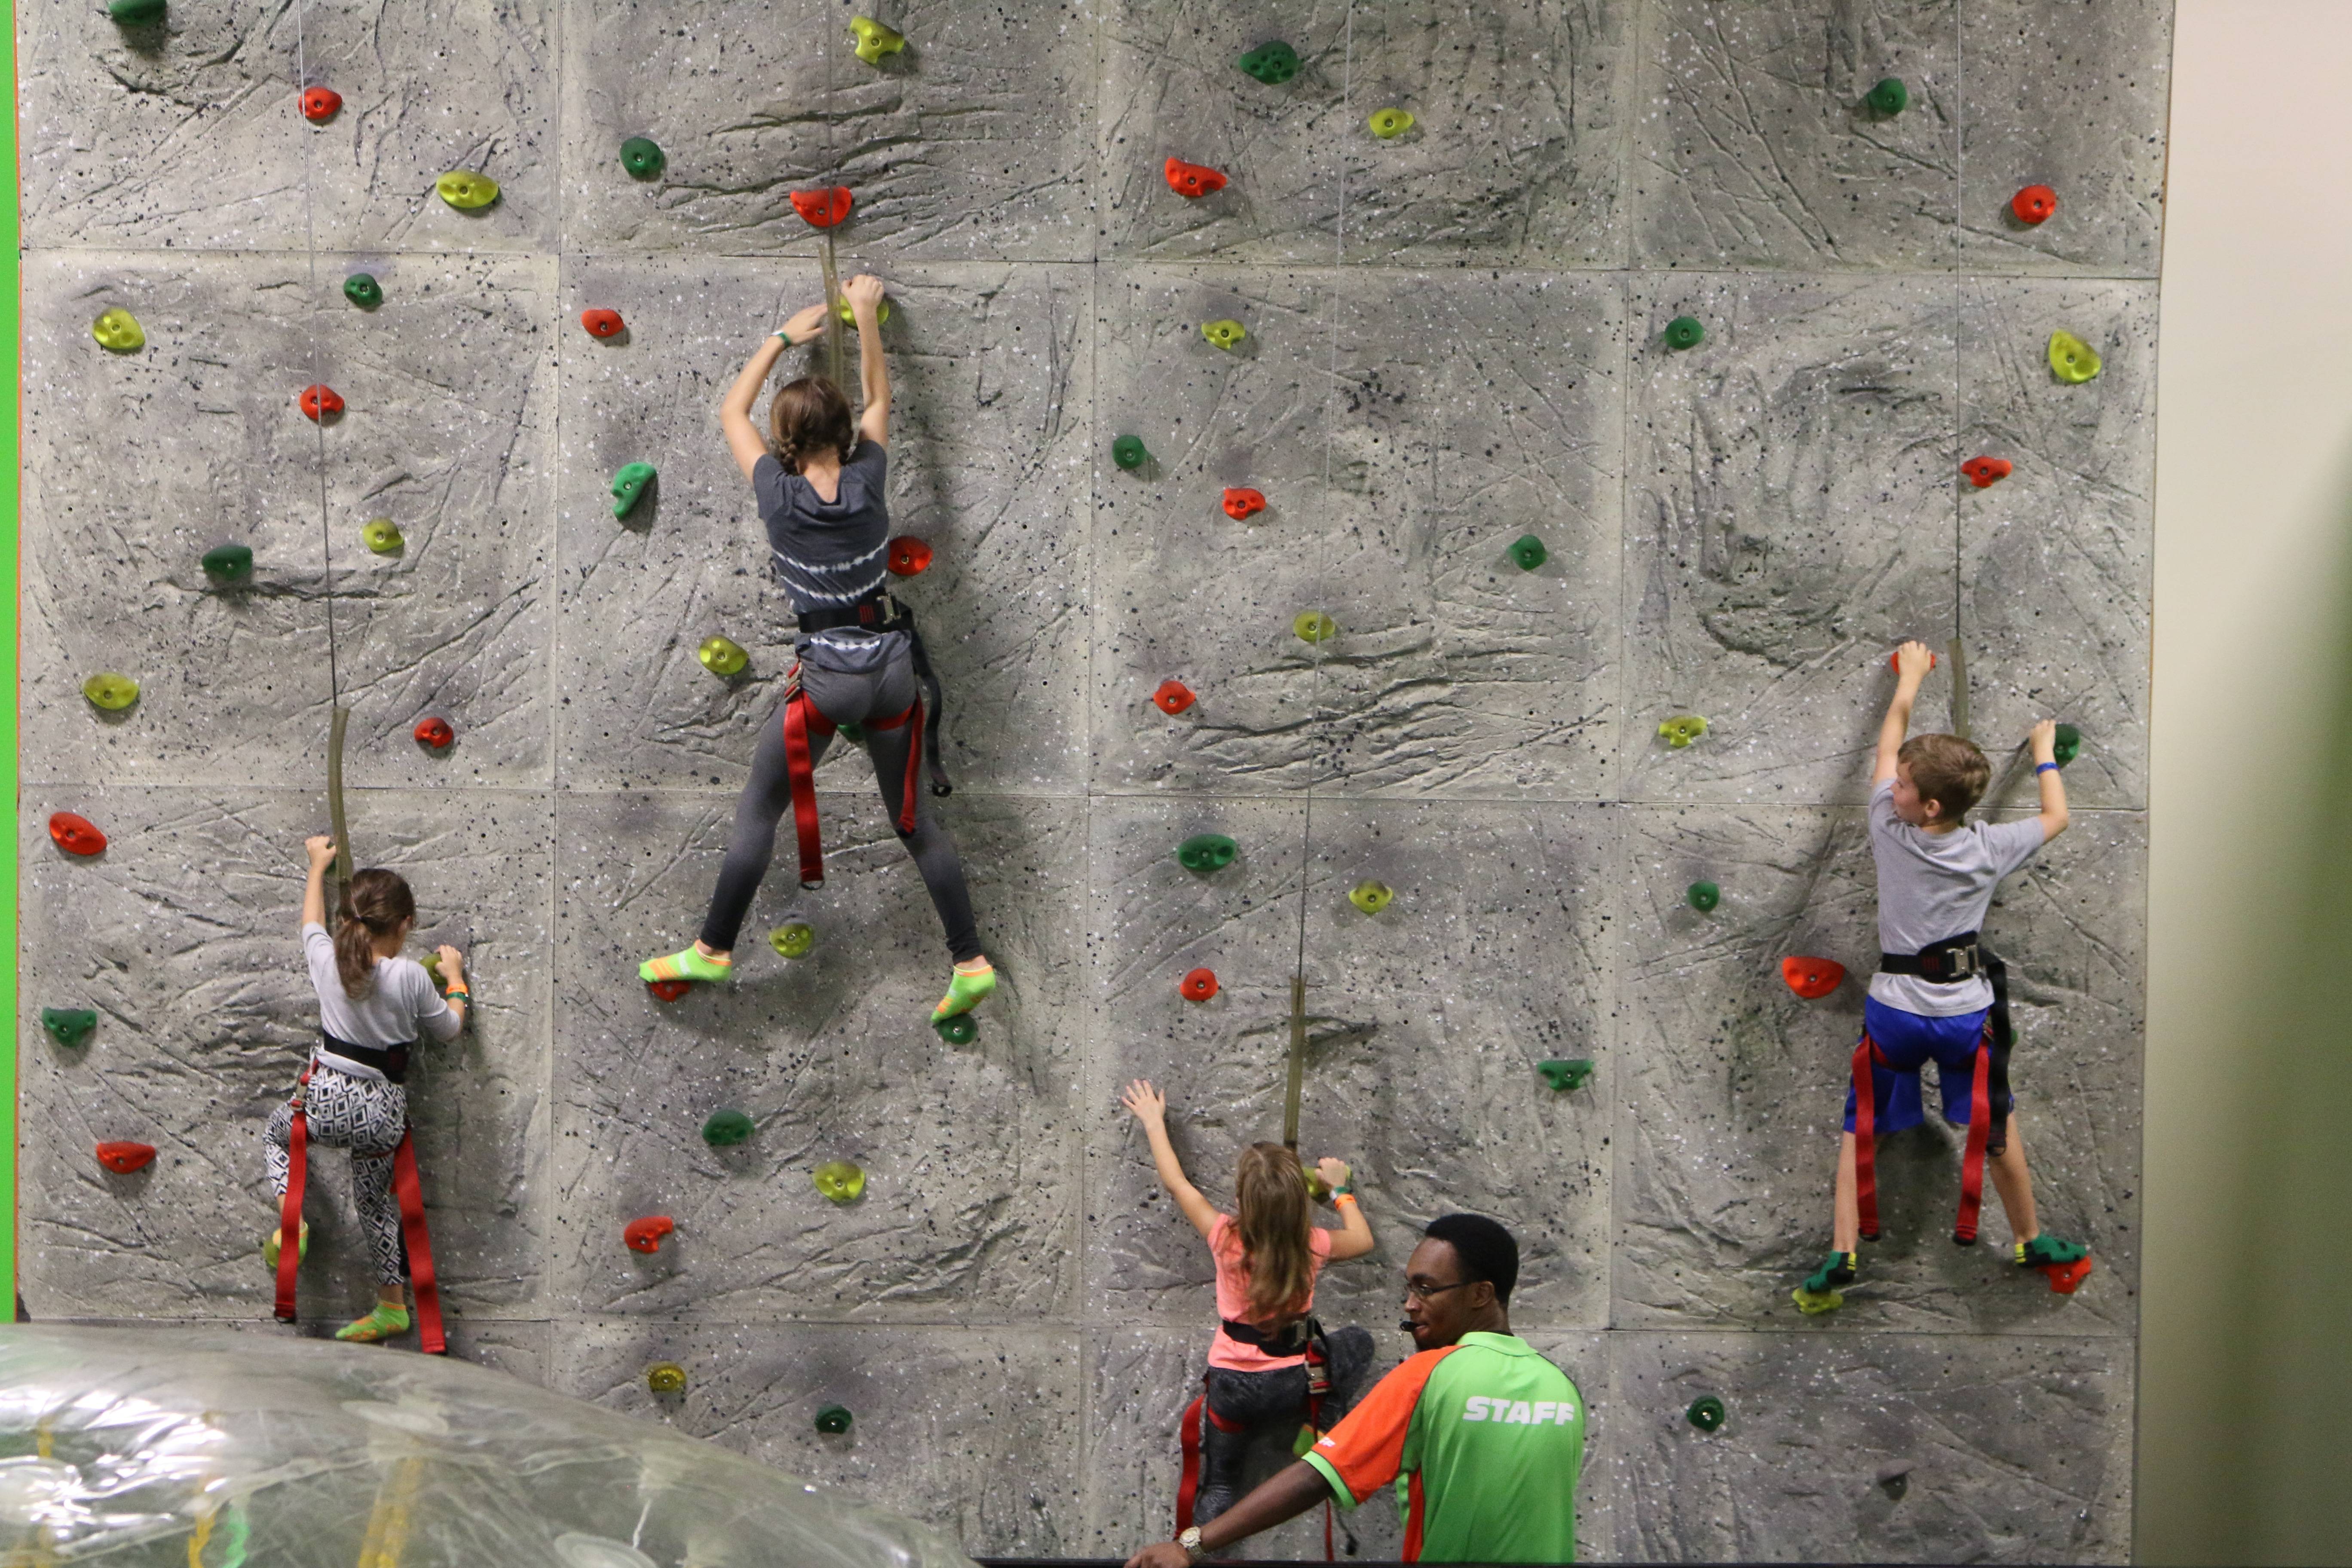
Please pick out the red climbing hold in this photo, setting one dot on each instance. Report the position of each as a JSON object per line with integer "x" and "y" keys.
{"x": 124, "y": 1158}
{"x": 1893, "y": 663}
{"x": 602, "y": 323}
{"x": 824, "y": 207}
{"x": 1198, "y": 986}
{"x": 434, "y": 732}
{"x": 1173, "y": 697}
{"x": 669, "y": 989}
{"x": 1984, "y": 471}
{"x": 1240, "y": 504}
{"x": 320, "y": 103}
{"x": 2033, "y": 204}
{"x": 76, "y": 835}
{"x": 2064, "y": 1277}
{"x": 908, "y": 555}
{"x": 1812, "y": 978}
{"x": 644, "y": 1235}
{"x": 1192, "y": 180}
{"x": 318, "y": 402}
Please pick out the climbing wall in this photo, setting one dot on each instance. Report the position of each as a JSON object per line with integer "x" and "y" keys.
{"x": 1600, "y": 363}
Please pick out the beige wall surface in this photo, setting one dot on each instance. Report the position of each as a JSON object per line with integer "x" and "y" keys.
{"x": 2244, "y": 1329}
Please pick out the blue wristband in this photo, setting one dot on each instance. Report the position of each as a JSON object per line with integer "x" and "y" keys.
{"x": 2045, "y": 767}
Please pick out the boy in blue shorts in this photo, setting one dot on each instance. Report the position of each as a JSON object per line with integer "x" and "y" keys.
{"x": 1938, "y": 996}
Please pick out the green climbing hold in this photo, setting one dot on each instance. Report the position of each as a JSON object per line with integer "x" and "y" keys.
{"x": 111, "y": 691}
{"x": 1388, "y": 125}
{"x": 1370, "y": 897}
{"x": 1703, "y": 896}
{"x": 2072, "y": 359}
{"x": 1890, "y": 97}
{"x": 1566, "y": 1075}
{"x": 466, "y": 190}
{"x": 666, "y": 1377}
{"x": 1207, "y": 852}
{"x": 1683, "y": 728}
{"x": 131, "y": 13}
{"x": 834, "y": 1419}
{"x": 229, "y": 562}
{"x": 2066, "y": 745}
{"x": 1528, "y": 552}
{"x": 641, "y": 158}
{"x": 629, "y": 487}
{"x": 1273, "y": 63}
{"x": 383, "y": 535}
{"x": 722, "y": 657}
{"x": 794, "y": 939}
{"x": 881, "y": 312}
{"x": 839, "y": 1180}
{"x": 958, "y": 1030}
{"x": 1685, "y": 333}
{"x": 875, "y": 40}
{"x": 1226, "y": 334}
{"x": 119, "y": 330}
{"x": 726, "y": 1128}
{"x": 1314, "y": 626}
{"x": 1706, "y": 1413}
{"x": 361, "y": 289}
{"x": 69, "y": 1025}
{"x": 1128, "y": 453}
{"x": 853, "y": 733}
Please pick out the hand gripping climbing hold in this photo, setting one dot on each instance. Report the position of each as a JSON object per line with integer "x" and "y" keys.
{"x": 1703, "y": 896}
{"x": 434, "y": 732}
{"x": 1890, "y": 97}
{"x": 881, "y": 311}
{"x": 669, "y": 989}
{"x": 1198, "y": 984}
{"x": 641, "y": 158}
{"x": 666, "y": 1377}
{"x": 76, "y": 835}
{"x": 839, "y": 1181}
{"x": 1128, "y": 453}
{"x": 1685, "y": 333}
{"x": 69, "y": 1025}
{"x": 1895, "y": 660}
{"x": 833, "y": 1419}
{"x": 1984, "y": 472}
{"x": 1273, "y": 62}
{"x": 1528, "y": 552}
{"x": 958, "y": 1030}
{"x": 361, "y": 289}
{"x": 119, "y": 330}
{"x": 2035, "y": 203}
{"x": 726, "y": 1128}
{"x": 603, "y": 323}
{"x": 229, "y": 562}
{"x": 1226, "y": 334}
{"x": 382, "y": 535}
{"x": 822, "y": 208}
{"x": 320, "y": 103}
{"x": 124, "y": 1158}
{"x": 1370, "y": 897}
{"x": 1207, "y": 852}
{"x": 1706, "y": 1413}
{"x": 320, "y": 402}
{"x": 1173, "y": 697}
{"x": 111, "y": 691}
{"x": 793, "y": 940}
{"x": 645, "y": 1235}
{"x": 1566, "y": 1075}
{"x": 466, "y": 190}
{"x": 1314, "y": 626}
{"x": 908, "y": 555}
{"x": 1241, "y": 504}
{"x": 2072, "y": 359}
{"x": 629, "y": 487}
{"x": 2066, "y": 745}
{"x": 1192, "y": 181}
{"x": 135, "y": 13}
{"x": 1811, "y": 978}
{"x": 722, "y": 656}
{"x": 1388, "y": 125}
{"x": 875, "y": 40}
{"x": 1682, "y": 729}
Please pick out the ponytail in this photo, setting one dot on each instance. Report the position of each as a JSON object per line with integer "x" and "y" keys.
{"x": 374, "y": 903}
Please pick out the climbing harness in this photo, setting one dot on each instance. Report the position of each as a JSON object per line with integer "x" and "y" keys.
{"x": 801, "y": 718}
{"x": 405, "y": 1188}
{"x": 1989, "y": 1085}
{"x": 1300, "y": 1335}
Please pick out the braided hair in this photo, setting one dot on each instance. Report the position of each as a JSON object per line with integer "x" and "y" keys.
{"x": 806, "y": 417}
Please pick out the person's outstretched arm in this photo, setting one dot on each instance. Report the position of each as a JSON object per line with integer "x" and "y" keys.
{"x": 321, "y": 850}
{"x": 1288, "y": 1493}
{"x": 2045, "y": 741}
{"x": 864, "y": 293}
{"x": 1912, "y": 662}
{"x": 743, "y": 437}
{"x": 1151, "y": 1108}
{"x": 1355, "y": 1237}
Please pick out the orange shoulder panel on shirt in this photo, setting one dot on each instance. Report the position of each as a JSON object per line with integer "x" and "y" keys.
{"x": 1367, "y": 1447}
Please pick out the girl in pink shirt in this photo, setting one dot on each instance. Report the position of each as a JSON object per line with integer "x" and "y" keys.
{"x": 1267, "y": 1258}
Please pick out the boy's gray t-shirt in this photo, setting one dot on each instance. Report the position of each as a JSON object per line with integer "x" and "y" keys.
{"x": 401, "y": 1007}
{"x": 1932, "y": 885}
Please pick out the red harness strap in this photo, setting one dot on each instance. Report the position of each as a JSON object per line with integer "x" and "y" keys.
{"x": 801, "y": 719}
{"x": 1866, "y": 1055}
{"x": 407, "y": 1189}
{"x": 1865, "y": 1136}
{"x": 289, "y": 1211}
{"x": 1972, "y": 1164}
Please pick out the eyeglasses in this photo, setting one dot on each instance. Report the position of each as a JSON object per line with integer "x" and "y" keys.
{"x": 1413, "y": 1293}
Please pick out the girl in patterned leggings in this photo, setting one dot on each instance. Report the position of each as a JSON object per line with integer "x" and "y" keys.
{"x": 371, "y": 1003}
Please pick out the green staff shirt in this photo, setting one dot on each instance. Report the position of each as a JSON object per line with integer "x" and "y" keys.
{"x": 1483, "y": 1441}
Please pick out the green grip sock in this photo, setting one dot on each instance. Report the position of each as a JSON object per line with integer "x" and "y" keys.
{"x": 965, "y": 992}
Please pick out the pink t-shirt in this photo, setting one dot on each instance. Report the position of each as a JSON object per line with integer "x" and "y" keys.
{"x": 1232, "y": 1296}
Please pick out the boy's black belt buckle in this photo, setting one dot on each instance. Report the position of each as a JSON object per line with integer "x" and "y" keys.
{"x": 392, "y": 1060}
{"x": 1946, "y": 963}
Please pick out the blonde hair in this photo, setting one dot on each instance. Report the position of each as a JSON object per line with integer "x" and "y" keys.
{"x": 1270, "y": 1189}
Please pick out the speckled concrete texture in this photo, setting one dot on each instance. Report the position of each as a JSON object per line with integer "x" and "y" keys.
{"x": 1456, "y": 338}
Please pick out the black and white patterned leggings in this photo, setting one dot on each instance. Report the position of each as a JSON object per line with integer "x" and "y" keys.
{"x": 366, "y": 1116}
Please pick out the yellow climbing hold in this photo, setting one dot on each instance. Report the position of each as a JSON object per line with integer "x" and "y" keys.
{"x": 1388, "y": 125}
{"x": 1370, "y": 897}
{"x": 111, "y": 691}
{"x": 722, "y": 656}
{"x": 875, "y": 40}
{"x": 1226, "y": 334}
{"x": 794, "y": 939}
{"x": 1314, "y": 626}
{"x": 383, "y": 535}
{"x": 839, "y": 1180}
{"x": 466, "y": 190}
{"x": 119, "y": 330}
{"x": 1683, "y": 728}
{"x": 666, "y": 1377}
{"x": 2071, "y": 359}
{"x": 881, "y": 312}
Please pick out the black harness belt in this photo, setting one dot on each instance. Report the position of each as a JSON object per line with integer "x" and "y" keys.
{"x": 1945, "y": 963}
{"x": 880, "y": 613}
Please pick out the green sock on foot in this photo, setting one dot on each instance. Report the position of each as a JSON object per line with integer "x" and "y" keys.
{"x": 1819, "y": 1292}
{"x": 381, "y": 1324}
{"x": 965, "y": 991}
{"x": 688, "y": 966}
{"x": 2043, "y": 1250}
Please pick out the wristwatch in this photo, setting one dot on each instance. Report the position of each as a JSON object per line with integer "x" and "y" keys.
{"x": 1189, "y": 1540}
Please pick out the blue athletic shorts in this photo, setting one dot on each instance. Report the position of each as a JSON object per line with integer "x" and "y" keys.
{"x": 1910, "y": 1041}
